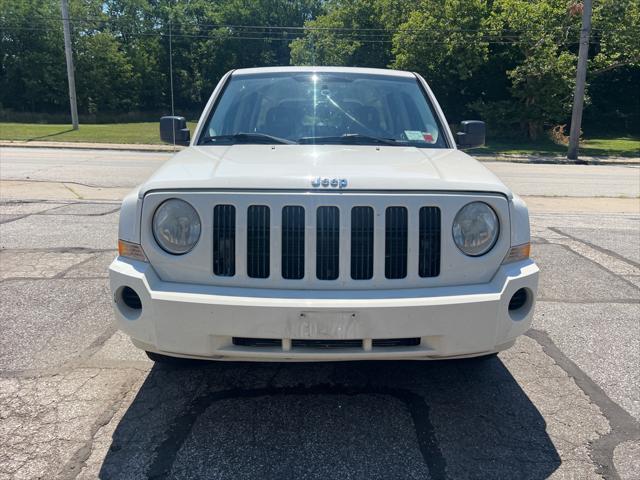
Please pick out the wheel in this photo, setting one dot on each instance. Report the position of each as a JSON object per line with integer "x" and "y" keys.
{"x": 170, "y": 361}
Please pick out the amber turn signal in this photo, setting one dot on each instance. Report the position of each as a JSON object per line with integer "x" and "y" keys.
{"x": 517, "y": 253}
{"x": 131, "y": 250}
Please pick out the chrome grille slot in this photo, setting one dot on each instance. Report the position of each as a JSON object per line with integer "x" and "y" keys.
{"x": 429, "y": 242}
{"x": 224, "y": 240}
{"x": 258, "y": 233}
{"x": 293, "y": 242}
{"x": 327, "y": 243}
{"x": 396, "y": 235}
{"x": 361, "y": 243}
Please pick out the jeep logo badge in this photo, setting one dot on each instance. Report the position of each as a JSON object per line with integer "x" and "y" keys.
{"x": 329, "y": 182}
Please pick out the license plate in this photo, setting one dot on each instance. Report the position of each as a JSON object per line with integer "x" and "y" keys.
{"x": 325, "y": 325}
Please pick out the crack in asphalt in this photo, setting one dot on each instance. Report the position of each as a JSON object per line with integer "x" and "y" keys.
{"x": 78, "y": 460}
{"x": 624, "y": 427}
{"x": 53, "y": 209}
{"x": 20, "y": 217}
{"x": 63, "y": 182}
{"x": 597, "y": 264}
{"x": 77, "y": 361}
{"x": 61, "y": 250}
{"x": 94, "y": 254}
{"x": 166, "y": 452}
{"x": 596, "y": 247}
{"x": 62, "y": 273}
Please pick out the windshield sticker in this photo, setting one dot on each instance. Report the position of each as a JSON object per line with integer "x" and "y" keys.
{"x": 417, "y": 136}
{"x": 414, "y": 135}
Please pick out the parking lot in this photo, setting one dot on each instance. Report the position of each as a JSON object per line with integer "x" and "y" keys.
{"x": 77, "y": 400}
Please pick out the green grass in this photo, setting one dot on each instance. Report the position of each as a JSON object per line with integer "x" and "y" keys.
{"x": 149, "y": 133}
{"x": 612, "y": 146}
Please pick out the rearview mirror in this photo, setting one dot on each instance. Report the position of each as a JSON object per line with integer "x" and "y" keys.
{"x": 174, "y": 130}
{"x": 471, "y": 134}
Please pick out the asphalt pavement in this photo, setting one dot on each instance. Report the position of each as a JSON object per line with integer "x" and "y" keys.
{"x": 77, "y": 400}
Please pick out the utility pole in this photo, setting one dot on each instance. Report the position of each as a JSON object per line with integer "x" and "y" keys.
{"x": 69, "y": 55}
{"x": 581, "y": 77}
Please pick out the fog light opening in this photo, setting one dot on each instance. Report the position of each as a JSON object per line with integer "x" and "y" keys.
{"x": 128, "y": 302}
{"x": 518, "y": 300}
{"x": 131, "y": 299}
{"x": 520, "y": 304}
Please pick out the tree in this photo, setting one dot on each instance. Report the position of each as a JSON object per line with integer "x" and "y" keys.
{"x": 616, "y": 26}
{"x": 351, "y": 32}
{"x": 445, "y": 41}
{"x": 539, "y": 45}
{"x": 105, "y": 75}
{"x": 32, "y": 70}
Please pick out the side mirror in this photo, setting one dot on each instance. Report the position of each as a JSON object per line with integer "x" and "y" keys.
{"x": 174, "y": 130}
{"x": 471, "y": 134}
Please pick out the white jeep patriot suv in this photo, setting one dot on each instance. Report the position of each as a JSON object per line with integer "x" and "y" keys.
{"x": 323, "y": 214}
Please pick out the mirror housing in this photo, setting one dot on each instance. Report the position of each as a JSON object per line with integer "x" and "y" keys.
{"x": 472, "y": 134}
{"x": 174, "y": 129}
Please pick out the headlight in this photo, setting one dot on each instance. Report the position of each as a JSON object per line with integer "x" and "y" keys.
{"x": 475, "y": 229}
{"x": 176, "y": 226}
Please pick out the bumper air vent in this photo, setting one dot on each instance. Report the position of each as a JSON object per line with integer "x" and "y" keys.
{"x": 396, "y": 342}
{"x": 326, "y": 344}
{"x": 257, "y": 342}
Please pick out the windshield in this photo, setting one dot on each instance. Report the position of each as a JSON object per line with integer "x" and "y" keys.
{"x": 323, "y": 108}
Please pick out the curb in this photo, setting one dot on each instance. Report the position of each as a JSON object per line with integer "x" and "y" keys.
{"x": 532, "y": 159}
{"x": 541, "y": 160}
{"x": 132, "y": 147}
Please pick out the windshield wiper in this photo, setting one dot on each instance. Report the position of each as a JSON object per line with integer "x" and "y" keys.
{"x": 351, "y": 138}
{"x": 242, "y": 137}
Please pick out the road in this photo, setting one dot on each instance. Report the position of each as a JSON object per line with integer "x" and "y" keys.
{"x": 77, "y": 400}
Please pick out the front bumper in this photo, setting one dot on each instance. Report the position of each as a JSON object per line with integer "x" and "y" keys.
{"x": 200, "y": 321}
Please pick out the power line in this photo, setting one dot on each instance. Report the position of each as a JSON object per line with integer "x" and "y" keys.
{"x": 487, "y": 36}
{"x": 493, "y": 40}
{"x": 306, "y": 27}
{"x": 311, "y": 28}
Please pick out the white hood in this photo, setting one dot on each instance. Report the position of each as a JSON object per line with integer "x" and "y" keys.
{"x": 293, "y": 167}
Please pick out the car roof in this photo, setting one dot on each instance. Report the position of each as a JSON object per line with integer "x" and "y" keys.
{"x": 310, "y": 69}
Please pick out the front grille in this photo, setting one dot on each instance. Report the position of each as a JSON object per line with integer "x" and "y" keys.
{"x": 325, "y": 344}
{"x": 327, "y": 243}
{"x": 408, "y": 243}
{"x": 258, "y": 232}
